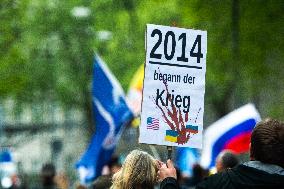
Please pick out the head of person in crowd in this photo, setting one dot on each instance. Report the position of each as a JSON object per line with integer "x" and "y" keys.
{"x": 139, "y": 171}
{"x": 226, "y": 160}
{"x": 15, "y": 181}
{"x": 61, "y": 180}
{"x": 48, "y": 173}
{"x": 81, "y": 186}
{"x": 102, "y": 182}
{"x": 267, "y": 142}
{"x": 114, "y": 165}
{"x": 198, "y": 173}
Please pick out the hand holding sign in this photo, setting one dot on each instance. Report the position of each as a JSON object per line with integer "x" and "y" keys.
{"x": 174, "y": 86}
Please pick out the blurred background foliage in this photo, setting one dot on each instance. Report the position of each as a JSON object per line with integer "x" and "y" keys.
{"x": 47, "y": 50}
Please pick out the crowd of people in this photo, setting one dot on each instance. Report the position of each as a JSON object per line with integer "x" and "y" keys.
{"x": 140, "y": 170}
{"x": 264, "y": 170}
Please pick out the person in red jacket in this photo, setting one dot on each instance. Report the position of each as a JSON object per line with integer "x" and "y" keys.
{"x": 264, "y": 171}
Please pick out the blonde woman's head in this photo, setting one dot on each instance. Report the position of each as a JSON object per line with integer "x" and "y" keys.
{"x": 139, "y": 171}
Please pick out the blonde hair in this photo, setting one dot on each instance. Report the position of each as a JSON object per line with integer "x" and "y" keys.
{"x": 138, "y": 171}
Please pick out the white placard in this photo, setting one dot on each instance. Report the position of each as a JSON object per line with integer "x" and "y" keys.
{"x": 174, "y": 87}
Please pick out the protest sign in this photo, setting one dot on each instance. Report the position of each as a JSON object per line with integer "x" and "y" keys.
{"x": 174, "y": 87}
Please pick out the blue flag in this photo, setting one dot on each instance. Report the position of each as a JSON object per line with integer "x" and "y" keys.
{"x": 111, "y": 114}
{"x": 186, "y": 158}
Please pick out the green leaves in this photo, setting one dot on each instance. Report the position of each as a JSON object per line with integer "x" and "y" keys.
{"x": 47, "y": 52}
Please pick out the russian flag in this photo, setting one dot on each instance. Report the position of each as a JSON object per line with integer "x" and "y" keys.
{"x": 232, "y": 132}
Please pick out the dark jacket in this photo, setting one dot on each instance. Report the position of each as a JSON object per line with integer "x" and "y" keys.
{"x": 169, "y": 183}
{"x": 251, "y": 175}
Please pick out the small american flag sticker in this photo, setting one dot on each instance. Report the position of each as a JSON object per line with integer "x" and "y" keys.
{"x": 152, "y": 123}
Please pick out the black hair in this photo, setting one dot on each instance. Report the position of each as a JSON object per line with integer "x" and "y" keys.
{"x": 48, "y": 173}
{"x": 229, "y": 160}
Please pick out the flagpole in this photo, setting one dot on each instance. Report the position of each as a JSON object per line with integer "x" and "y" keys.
{"x": 155, "y": 152}
{"x": 170, "y": 150}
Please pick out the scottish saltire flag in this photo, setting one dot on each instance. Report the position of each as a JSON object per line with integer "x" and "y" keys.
{"x": 186, "y": 158}
{"x": 111, "y": 114}
{"x": 232, "y": 132}
{"x": 152, "y": 123}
